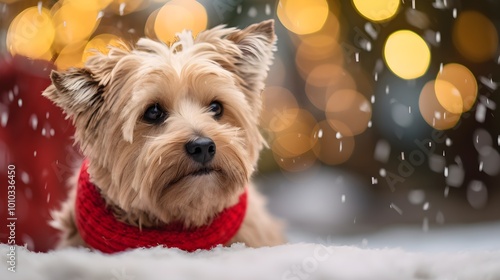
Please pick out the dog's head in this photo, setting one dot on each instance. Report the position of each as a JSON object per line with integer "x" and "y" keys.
{"x": 171, "y": 131}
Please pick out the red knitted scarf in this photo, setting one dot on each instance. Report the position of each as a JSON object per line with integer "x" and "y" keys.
{"x": 102, "y": 231}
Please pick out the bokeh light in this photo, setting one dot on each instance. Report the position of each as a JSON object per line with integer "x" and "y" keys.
{"x": 324, "y": 80}
{"x": 302, "y": 16}
{"x": 149, "y": 27}
{"x": 297, "y": 163}
{"x": 319, "y": 48}
{"x": 343, "y": 100}
{"x": 277, "y": 114}
{"x": 101, "y": 43}
{"x": 31, "y": 33}
{"x": 407, "y": 54}
{"x": 456, "y": 88}
{"x": 178, "y": 15}
{"x": 125, "y": 7}
{"x": 401, "y": 114}
{"x": 330, "y": 148}
{"x": 8, "y": 1}
{"x": 448, "y": 96}
{"x": 330, "y": 28}
{"x": 71, "y": 56}
{"x": 74, "y": 24}
{"x": 490, "y": 160}
{"x": 296, "y": 138}
{"x": 315, "y": 51}
{"x": 475, "y": 36}
{"x": 433, "y": 112}
{"x": 377, "y": 10}
{"x": 348, "y": 112}
{"x": 477, "y": 194}
{"x": 292, "y": 146}
{"x": 90, "y": 5}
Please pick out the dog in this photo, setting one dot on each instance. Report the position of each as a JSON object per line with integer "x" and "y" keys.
{"x": 171, "y": 139}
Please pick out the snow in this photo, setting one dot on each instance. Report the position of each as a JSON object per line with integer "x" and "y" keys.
{"x": 382, "y": 151}
{"x": 292, "y": 261}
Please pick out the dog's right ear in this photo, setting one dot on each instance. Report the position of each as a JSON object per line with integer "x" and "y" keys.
{"x": 75, "y": 91}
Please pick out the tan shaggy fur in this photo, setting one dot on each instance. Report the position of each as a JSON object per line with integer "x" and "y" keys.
{"x": 142, "y": 169}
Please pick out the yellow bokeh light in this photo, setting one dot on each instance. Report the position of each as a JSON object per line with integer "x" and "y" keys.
{"x": 377, "y": 10}
{"x": 101, "y": 43}
{"x": 348, "y": 112}
{"x": 55, "y": 8}
{"x": 31, "y": 33}
{"x": 432, "y": 111}
{"x": 407, "y": 54}
{"x": 71, "y": 56}
{"x": 330, "y": 28}
{"x": 302, "y": 16}
{"x": 329, "y": 148}
{"x": 73, "y": 24}
{"x": 475, "y": 36}
{"x": 178, "y": 15}
{"x": 91, "y": 5}
{"x": 456, "y": 88}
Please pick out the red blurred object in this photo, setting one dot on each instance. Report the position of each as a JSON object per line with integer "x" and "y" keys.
{"x": 37, "y": 140}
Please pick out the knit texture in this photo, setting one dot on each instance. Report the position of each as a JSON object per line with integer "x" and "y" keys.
{"x": 102, "y": 231}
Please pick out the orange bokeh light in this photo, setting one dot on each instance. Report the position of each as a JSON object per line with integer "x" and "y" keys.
{"x": 456, "y": 88}
{"x": 433, "y": 112}
{"x": 324, "y": 80}
{"x": 475, "y": 36}
{"x": 348, "y": 112}
{"x": 278, "y": 109}
{"x": 178, "y": 15}
{"x": 302, "y": 16}
{"x": 330, "y": 148}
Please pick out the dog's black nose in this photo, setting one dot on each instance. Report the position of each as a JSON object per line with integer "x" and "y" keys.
{"x": 201, "y": 150}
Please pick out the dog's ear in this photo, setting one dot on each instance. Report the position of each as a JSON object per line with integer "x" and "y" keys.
{"x": 256, "y": 43}
{"x": 75, "y": 91}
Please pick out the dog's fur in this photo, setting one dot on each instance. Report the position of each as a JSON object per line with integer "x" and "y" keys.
{"x": 142, "y": 169}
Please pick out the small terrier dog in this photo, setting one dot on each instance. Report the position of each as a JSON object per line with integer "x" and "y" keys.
{"x": 171, "y": 133}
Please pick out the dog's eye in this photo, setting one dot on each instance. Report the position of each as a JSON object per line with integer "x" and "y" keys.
{"x": 216, "y": 108}
{"x": 154, "y": 114}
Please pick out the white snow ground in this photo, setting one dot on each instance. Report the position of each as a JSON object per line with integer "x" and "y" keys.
{"x": 447, "y": 252}
{"x": 291, "y": 261}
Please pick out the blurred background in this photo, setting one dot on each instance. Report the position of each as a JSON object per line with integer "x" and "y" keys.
{"x": 379, "y": 114}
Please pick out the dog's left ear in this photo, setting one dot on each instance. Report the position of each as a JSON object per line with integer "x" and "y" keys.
{"x": 75, "y": 91}
{"x": 256, "y": 43}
